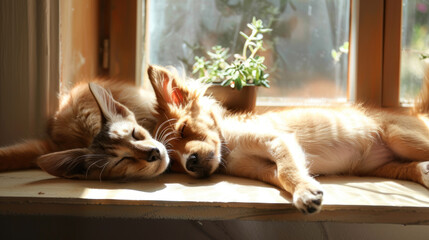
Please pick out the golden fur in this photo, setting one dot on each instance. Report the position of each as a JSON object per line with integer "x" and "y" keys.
{"x": 93, "y": 136}
{"x": 287, "y": 148}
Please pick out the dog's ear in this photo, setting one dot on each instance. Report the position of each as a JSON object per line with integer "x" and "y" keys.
{"x": 109, "y": 107}
{"x": 168, "y": 88}
{"x": 68, "y": 164}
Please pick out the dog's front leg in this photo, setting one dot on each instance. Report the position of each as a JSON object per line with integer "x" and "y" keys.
{"x": 293, "y": 174}
{"x": 279, "y": 160}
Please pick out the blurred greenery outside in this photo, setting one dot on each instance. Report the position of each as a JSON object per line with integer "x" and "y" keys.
{"x": 299, "y": 50}
{"x": 415, "y": 42}
{"x": 305, "y": 53}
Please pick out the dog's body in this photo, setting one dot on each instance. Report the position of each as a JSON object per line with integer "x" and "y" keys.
{"x": 95, "y": 134}
{"x": 286, "y": 148}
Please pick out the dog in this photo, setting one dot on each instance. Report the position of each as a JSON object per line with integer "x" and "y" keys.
{"x": 287, "y": 148}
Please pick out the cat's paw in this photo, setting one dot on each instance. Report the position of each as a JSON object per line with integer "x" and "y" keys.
{"x": 424, "y": 170}
{"x": 308, "y": 198}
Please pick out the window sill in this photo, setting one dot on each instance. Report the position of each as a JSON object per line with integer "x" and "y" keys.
{"x": 178, "y": 196}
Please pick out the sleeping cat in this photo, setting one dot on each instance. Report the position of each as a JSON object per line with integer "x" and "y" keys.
{"x": 96, "y": 134}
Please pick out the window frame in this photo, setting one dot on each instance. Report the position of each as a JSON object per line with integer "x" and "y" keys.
{"x": 365, "y": 54}
{"x": 98, "y": 40}
{"x": 392, "y": 58}
{"x": 374, "y": 70}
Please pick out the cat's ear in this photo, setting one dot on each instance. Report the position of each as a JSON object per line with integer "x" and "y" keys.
{"x": 168, "y": 88}
{"x": 110, "y": 108}
{"x": 68, "y": 164}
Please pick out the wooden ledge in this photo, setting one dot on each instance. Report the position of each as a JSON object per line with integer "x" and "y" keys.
{"x": 178, "y": 196}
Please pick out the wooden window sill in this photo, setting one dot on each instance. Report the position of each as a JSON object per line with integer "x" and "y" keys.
{"x": 178, "y": 196}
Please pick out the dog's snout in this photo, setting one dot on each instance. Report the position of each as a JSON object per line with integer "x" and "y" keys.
{"x": 154, "y": 155}
{"x": 192, "y": 162}
{"x": 200, "y": 166}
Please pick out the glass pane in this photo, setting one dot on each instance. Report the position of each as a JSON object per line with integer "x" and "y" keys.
{"x": 306, "y": 52}
{"x": 415, "y": 42}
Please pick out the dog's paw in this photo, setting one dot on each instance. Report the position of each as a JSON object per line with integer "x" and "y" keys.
{"x": 308, "y": 198}
{"x": 424, "y": 170}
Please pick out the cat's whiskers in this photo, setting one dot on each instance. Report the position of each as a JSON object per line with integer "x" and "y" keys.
{"x": 165, "y": 139}
{"x": 100, "y": 157}
{"x": 167, "y": 143}
{"x": 160, "y": 127}
{"x": 104, "y": 167}
{"x": 94, "y": 163}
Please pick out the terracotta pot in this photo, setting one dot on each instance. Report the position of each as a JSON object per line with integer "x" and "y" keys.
{"x": 243, "y": 100}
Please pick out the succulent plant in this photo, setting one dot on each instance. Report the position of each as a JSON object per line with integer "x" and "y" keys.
{"x": 246, "y": 68}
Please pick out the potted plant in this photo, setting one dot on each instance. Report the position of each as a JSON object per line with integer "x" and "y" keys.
{"x": 235, "y": 83}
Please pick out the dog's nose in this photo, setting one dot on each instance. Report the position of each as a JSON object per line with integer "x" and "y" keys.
{"x": 192, "y": 162}
{"x": 199, "y": 166}
{"x": 154, "y": 155}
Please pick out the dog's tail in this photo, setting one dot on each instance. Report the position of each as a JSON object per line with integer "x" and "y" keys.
{"x": 23, "y": 155}
{"x": 421, "y": 103}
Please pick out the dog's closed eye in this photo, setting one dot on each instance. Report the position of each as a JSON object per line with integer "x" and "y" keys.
{"x": 182, "y": 130}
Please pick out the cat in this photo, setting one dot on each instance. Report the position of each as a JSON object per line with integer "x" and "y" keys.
{"x": 95, "y": 136}
{"x": 287, "y": 148}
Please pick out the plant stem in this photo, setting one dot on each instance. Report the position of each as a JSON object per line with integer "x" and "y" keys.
{"x": 248, "y": 40}
{"x": 254, "y": 52}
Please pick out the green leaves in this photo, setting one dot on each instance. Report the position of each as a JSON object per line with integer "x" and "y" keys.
{"x": 244, "y": 35}
{"x": 343, "y": 49}
{"x": 424, "y": 56}
{"x": 213, "y": 70}
{"x": 257, "y": 25}
{"x": 335, "y": 55}
{"x": 200, "y": 66}
{"x": 243, "y": 70}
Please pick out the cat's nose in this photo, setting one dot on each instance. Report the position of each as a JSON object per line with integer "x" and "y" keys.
{"x": 154, "y": 155}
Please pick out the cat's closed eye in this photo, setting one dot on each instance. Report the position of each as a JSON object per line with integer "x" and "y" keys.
{"x": 137, "y": 134}
{"x": 126, "y": 158}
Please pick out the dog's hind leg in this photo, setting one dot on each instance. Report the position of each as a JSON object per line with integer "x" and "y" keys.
{"x": 412, "y": 171}
{"x": 408, "y": 138}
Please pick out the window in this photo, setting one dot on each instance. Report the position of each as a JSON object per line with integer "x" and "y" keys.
{"x": 306, "y": 53}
